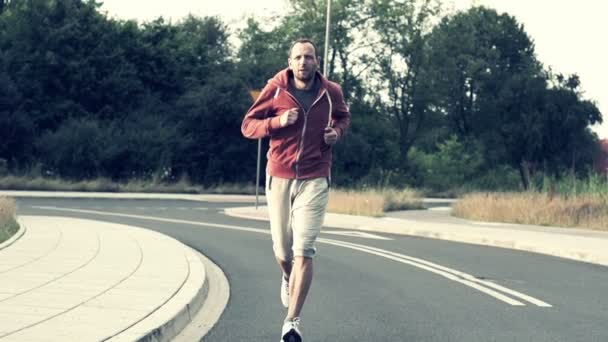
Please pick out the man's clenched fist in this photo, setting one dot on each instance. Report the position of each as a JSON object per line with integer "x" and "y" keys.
{"x": 289, "y": 117}
{"x": 330, "y": 136}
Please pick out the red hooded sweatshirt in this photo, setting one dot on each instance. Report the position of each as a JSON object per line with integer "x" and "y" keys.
{"x": 297, "y": 151}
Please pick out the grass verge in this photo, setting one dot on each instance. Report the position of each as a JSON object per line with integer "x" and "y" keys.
{"x": 8, "y": 223}
{"x": 372, "y": 202}
{"x": 582, "y": 211}
{"x": 106, "y": 185}
{"x": 368, "y": 202}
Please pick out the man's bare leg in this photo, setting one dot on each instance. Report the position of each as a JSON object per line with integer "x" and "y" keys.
{"x": 299, "y": 284}
{"x": 286, "y": 266}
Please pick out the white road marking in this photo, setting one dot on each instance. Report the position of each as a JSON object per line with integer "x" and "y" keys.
{"x": 391, "y": 219}
{"x": 441, "y": 208}
{"x": 447, "y": 275}
{"x": 201, "y": 208}
{"x": 451, "y": 274}
{"x": 355, "y": 234}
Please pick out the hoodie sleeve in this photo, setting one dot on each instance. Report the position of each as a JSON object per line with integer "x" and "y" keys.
{"x": 260, "y": 120}
{"x": 341, "y": 112}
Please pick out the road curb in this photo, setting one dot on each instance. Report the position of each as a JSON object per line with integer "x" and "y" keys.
{"x": 218, "y": 294}
{"x": 171, "y": 328}
{"x": 14, "y": 238}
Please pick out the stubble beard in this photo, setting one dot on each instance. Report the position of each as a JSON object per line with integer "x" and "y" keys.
{"x": 306, "y": 77}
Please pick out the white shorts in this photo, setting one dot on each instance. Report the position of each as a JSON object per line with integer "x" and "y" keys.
{"x": 296, "y": 208}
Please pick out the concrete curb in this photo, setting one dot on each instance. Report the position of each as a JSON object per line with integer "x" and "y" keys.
{"x": 175, "y": 325}
{"x": 15, "y": 237}
{"x": 218, "y": 295}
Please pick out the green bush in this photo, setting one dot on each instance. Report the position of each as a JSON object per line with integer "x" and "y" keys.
{"x": 453, "y": 165}
{"x": 594, "y": 185}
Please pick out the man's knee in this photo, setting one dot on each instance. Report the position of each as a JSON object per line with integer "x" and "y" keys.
{"x": 302, "y": 260}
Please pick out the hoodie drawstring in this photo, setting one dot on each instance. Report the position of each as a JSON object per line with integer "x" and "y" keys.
{"x": 330, "y": 108}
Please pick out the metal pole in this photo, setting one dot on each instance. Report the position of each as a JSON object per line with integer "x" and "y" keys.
{"x": 257, "y": 178}
{"x": 326, "y": 52}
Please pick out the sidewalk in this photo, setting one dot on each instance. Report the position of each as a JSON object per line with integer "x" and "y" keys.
{"x": 80, "y": 280}
{"x": 576, "y": 244}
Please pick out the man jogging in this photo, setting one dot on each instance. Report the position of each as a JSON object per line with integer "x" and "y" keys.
{"x": 304, "y": 114}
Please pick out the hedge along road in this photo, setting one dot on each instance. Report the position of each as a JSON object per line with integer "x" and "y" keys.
{"x": 369, "y": 287}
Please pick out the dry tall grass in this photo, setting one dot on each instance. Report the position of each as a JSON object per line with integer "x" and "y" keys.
{"x": 106, "y": 185}
{"x": 372, "y": 202}
{"x": 583, "y": 211}
{"x": 8, "y": 225}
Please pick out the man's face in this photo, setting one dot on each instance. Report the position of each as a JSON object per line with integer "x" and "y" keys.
{"x": 303, "y": 61}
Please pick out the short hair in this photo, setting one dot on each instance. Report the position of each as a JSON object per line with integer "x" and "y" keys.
{"x": 301, "y": 41}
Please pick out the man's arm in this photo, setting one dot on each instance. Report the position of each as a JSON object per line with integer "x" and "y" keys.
{"x": 340, "y": 114}
{"x": 260, "y": 120}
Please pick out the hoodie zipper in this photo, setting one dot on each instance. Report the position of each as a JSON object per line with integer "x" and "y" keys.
{"x": 301, "y": 147}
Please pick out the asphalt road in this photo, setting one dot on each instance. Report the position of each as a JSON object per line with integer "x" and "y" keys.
{"x": 373, "y": 288}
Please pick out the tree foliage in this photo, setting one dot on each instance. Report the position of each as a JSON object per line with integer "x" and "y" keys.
{"x": 437, "y": 100}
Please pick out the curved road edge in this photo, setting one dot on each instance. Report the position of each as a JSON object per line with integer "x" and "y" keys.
{"x": 216, "y": 298}
{"x": 22, "y": 230}
{"x": 574, "y": 244}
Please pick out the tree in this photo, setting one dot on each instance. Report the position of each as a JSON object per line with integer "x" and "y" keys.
{"x": 402, "y": 91}
{"x": 567, "y": 140}
{"x": 492, "y": 88}
{"x": 261, "y": 54}
{"x": 208, "y": 113}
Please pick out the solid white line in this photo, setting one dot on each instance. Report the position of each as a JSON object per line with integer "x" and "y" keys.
{"x": 457, "y": 276}
{"x": 160, "y": 219}
{"x": 358, "y": 234}
{"x": 441, "y": 208}
{"x": 464, "y": 276}
{"x": 447, "y": 275}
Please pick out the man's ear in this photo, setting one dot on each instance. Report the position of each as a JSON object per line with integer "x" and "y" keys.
{"x": 289, "y": 64}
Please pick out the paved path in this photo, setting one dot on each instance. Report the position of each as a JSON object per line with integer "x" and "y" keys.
{"x": 82, "y": 280}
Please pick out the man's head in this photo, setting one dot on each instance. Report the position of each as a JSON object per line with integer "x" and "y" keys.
{"x": 303, "y": 59}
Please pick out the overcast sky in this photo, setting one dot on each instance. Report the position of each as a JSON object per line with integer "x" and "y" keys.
{"x": 567, "y": 34}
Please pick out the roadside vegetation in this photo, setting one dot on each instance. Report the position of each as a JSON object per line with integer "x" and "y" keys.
{"x": 8, "y": 222}
{"x": 38, "y": 183}
{"x": 372, "y": 202}
{"x": 446, "y": 102}
{"x": 568, "y": 203}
